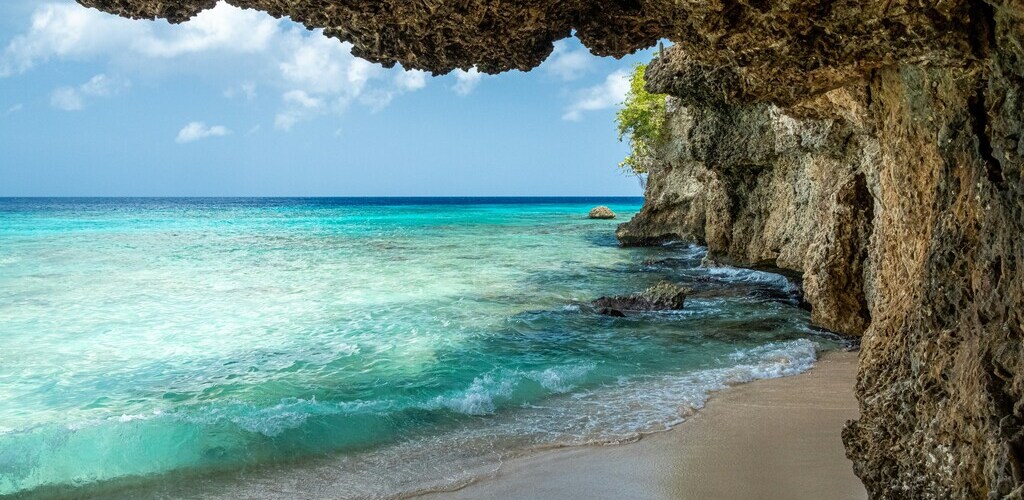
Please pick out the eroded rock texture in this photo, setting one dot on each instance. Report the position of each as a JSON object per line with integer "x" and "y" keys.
{"x": 735, "y": 49}
{"x": 439, "y": 35}
{"x": 761, "y": 187}
{"x": 899, "y": 197}
{"x": 872, "y": 145}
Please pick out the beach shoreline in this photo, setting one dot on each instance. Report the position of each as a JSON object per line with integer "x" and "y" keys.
{"x": 767, "y": 439}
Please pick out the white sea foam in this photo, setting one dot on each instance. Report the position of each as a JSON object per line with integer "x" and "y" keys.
{"x": 652, "y": 403}
{"x": 623, "y": 409}
{"x": 485, "y": 392}
{"x": 561, "y": 379}
{"x": 739, "y": 275}
{"x": 140, "y": 416}
{"x": 478, "y": 399}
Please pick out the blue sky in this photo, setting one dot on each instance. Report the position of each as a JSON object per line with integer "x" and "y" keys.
{"x": 236, "y": 103}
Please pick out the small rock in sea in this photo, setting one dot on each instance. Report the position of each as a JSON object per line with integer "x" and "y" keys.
{"x": 664, "y": 296}
{"x": 615, "y": 313}
{"x": 601, "y": 212}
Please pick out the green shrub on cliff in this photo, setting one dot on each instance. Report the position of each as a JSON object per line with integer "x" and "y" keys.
{"x": 642, "y": 119}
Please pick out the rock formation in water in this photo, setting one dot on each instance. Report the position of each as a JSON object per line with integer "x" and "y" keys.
{"x": 664, "y": 296}
{"x": 601, "y": 212}
{"x": 874, "y": 146}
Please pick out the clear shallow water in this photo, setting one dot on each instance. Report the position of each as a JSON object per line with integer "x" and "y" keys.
{"x": 347, "y": 347}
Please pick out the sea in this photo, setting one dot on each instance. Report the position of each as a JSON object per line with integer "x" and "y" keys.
{"x": 350, "y": 347}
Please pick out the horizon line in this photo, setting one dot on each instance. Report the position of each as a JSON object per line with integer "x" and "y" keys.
{"x": 6, "y": 197}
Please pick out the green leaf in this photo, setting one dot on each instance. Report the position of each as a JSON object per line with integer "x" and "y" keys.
{"x": 641, "y": 121}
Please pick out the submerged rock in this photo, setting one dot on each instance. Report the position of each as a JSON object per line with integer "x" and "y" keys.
{"x": 664, "y": 296}
{"x": 601, "y": 212}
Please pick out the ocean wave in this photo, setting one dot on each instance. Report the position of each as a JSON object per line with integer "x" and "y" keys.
{"x": 634, "y": 406}
{"x": 478, "y": 399}
{"x": 527, "y": 409}
{"x": 739, "y": 275}
{"x": 563, "y": 379}
{"x": 484, "y": 394}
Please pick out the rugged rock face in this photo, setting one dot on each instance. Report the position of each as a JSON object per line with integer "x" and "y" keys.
{"x": 899, "y": 197}
{"x": 942, "y": 371}
{"x": 739, "y": 49}
{"x": 763, "y": 188}
{"x": 873, "y": 145}
{"x": 440, "y": 35}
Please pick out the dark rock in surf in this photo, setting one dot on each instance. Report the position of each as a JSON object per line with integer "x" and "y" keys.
{"x": 615, "y": 313}
{"x": 664, "y": 296}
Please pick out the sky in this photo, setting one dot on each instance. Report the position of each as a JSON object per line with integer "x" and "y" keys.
{"x": 237, "y": 103}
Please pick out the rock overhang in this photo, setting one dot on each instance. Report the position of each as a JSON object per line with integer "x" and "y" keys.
{"x": 440, "y": 36}
{"x": 725, "y": 51}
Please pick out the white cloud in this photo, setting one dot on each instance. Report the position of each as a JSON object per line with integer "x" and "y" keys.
{"x": 377, "y": 99}
{"x": 608, "y": 94}
{"x": 67, "y": 31}
{"x": 299, "y": 106}
{"x": 219, "y": 43}
{"x": 198, "y": 130}
{"x": 14, "y": 109}
{"x": 224, "y": 28}
{"x": 73, "y": 98}
{"x": 326, "y": 78}
{"x": 246, "y": 91}
{"x": 66, "y": 99}
{"x": 411, "y": 80}
{"x": 74, "y": 32}
{"x": 302, "y": 99}
{"x": 405, "y": 81}
{"x": 104, "y": 86}
{"x": 323, "y": 65}
{"x": 466, "y": 81}
{"x": 568, "y": 64}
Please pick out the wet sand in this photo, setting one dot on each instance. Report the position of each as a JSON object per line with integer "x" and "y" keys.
{"x": 769, "y": 439}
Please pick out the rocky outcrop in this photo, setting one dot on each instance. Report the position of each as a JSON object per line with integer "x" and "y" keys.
{"x": 899, "y": 198}
{"x": 761, "y": 187}
{"x": 439, "y": 35}
{"x": 872, "y": 145}
{"x": 753, "y": 50}
{"x": 601, "y": 212}
{"x": 664, "y": 296}
{"x": 942, "y": 372}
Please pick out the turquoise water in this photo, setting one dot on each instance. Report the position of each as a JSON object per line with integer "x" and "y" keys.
{"x": 347, "y": 347}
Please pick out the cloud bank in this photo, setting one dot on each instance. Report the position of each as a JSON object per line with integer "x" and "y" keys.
{"x": 314, "y": 75}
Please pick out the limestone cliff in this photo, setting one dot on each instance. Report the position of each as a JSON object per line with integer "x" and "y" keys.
{"x": 899, "y": 198}
{"x": 764, "y": 187}
{"x": 873, "y": 145}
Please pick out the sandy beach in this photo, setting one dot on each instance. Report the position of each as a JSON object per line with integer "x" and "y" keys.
{"x": 769, "y": 439}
